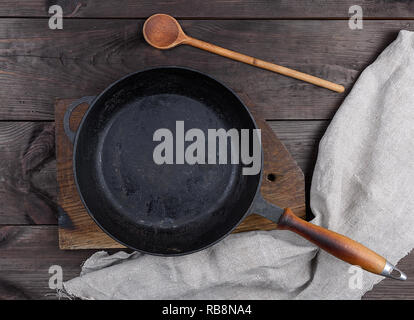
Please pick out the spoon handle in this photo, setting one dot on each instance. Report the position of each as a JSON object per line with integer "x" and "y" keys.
{"x": 263, "y": 64}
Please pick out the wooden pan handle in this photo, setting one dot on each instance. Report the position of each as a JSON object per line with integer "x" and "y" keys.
{"x": 262, "y": 64}
{"x": 339, "y": 246}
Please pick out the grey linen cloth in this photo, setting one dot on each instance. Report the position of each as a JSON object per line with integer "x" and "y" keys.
{"x": 362, "y": 187}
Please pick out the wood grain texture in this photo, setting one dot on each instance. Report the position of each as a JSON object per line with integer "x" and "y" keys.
{"x": 27, "y": 174}
{"x": 26, "y": 254}
{"x": 334, "y": 243}
{"x": 37, "y": 65}
{"x": 210, "y": 9}
{"x": 78, "y": 231}
{"x": 301, "y": 138}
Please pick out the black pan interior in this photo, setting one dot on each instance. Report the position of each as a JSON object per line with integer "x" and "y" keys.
{"x": 160, "y": 209}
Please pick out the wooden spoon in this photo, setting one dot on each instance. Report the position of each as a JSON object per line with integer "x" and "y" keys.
{"x": 164, "y": 32}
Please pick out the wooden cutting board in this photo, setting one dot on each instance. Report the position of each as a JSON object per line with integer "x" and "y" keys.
{"x": 283, "y": 184}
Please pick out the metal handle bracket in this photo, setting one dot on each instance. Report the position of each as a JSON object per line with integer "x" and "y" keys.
{"x": 66, "y": 119}
{"x": 389, "y": 272}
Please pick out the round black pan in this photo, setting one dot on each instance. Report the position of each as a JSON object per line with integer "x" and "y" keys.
{"x": 160, "y": 209}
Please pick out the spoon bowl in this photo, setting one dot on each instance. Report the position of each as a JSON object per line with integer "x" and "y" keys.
{"x": 163, "y": 32}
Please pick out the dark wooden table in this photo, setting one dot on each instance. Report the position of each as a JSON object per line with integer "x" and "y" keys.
{"x": 101, "y": 41}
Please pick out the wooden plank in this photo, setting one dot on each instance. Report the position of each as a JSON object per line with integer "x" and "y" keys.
{"x": 38, "y": 65}
{"x": 27, "y": 252}
{"x": 32, "y": 198}
{"x": 210, "y": 9}
{"x": 301, "y": 138}
{"x": 28, "y": 188}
